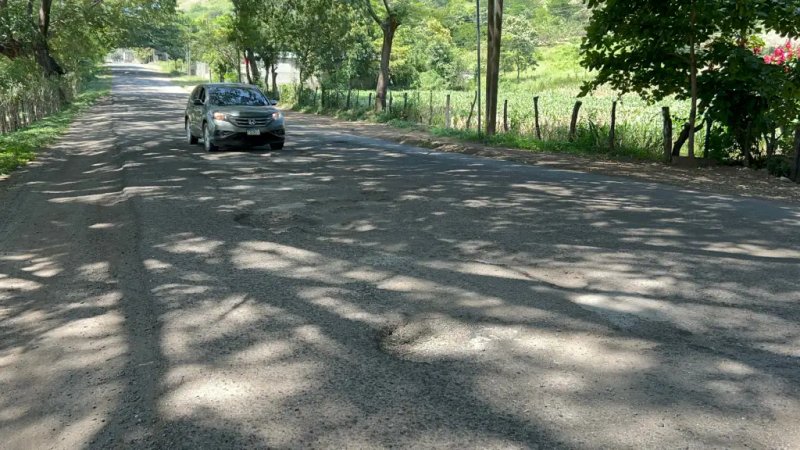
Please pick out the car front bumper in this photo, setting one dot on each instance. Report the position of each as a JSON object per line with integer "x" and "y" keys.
{"x": 227, "y": 134}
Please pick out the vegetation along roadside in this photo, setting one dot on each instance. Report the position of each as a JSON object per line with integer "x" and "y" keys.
{"x": 20, "y": 146}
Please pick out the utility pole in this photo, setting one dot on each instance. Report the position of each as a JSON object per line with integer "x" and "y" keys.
{"x": 478, "y": 28}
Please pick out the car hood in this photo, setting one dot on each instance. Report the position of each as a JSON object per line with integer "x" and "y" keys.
{"x": 245, "y": 111}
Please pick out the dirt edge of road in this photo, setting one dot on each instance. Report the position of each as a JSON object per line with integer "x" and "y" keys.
{"x": 715, "y": 180}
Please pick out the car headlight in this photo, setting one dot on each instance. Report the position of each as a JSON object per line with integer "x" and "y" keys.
{"x": 277, "y": 115}
{"x": 220, "y": 116}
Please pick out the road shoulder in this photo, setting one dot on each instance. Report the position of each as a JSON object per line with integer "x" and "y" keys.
{"x": 713, "y": 180}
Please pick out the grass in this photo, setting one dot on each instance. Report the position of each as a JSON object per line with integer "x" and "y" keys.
{"x": 20, "y": 147}
{"x": 585, "y": 144}
{"x": 638, "y": 133}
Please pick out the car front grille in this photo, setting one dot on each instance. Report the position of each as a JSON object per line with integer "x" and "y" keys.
{"x": 248, "y": 122}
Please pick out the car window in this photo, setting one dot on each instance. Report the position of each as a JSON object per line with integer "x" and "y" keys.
{"x": 194, "y": 93}
{"x": 202, "y": 94}
{"x": 231, "y": 96}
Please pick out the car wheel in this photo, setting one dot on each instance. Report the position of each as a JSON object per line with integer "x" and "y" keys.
{"x": 190, "y": 138}
{"x": 278, "y": 146}
{"x": 209, "y": 146}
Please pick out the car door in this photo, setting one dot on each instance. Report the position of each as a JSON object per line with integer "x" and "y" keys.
{"x": 198, "y": 111}
{"x": 190, "y": 109}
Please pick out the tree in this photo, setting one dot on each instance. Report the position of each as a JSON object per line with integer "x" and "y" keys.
{"x": 694, "y": 49}
{"x": 25, "y": 32}
{"x": 520, "y": 43}
{"x": 649, "y": 47}
{"x": 495, "y": 26}
{"x": 390, "y": 19}
{"x": 58, "y": 36}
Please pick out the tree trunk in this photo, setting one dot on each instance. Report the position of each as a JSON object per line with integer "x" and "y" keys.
{"x": 50, "y": 67}
{"x": 247, "y": 70}
{"x": 683, "y": 137}
{"x": 389, "y": 26}
{"x": 796, "y": 163}
{"x": 238, "y": 65}
{"x": 41, "y": 48}
{"x": 693, "y": 77}
{"x": 275, "y": 79}
{"x": 252, "y": 63}
{"x": 495, "y": 26}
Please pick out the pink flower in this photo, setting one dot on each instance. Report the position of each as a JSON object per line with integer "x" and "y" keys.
{"x": 768, "y": 59}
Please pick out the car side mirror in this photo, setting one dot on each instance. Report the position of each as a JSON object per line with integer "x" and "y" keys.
{"x": 197, "y": 102}
{"x": 273, "y": 102}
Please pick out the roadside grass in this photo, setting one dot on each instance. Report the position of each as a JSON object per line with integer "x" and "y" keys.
{"x": 591, "y": 139}
{"x": 20, "y": 147}
{"x": 587, "y": 143}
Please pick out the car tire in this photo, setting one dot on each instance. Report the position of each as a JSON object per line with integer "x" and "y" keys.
{"x": 278, "y": 146}
{"x": 207, "y": 144}
{"x": 191, "y": 139}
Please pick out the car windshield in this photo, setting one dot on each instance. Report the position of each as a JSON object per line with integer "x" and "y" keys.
{"x": 232, "y": 96}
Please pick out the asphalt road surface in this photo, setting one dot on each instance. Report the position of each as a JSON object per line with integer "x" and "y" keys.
{"x": 350, "y": 292}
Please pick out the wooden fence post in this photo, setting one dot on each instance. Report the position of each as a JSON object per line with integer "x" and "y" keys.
{"x": 430, "y": 116}
{"x": 315, "y": 96}
{"x": 417, "y": 111}
{"x": 369, "y": 101}
{"x": 667, "y": 134}
{"x": 707, "y": 143}
{"x": 536, "y": 118}
{"x": 358, "y": 99}
{"x": 505, "y": 115}
{"x": 796, "y": 166}
{"x": 349, "y": 91}
{"x": 390, "y": 102}
{"x": 405, "y": 103}
{"x": 472, "y": 111}
{"x": 573, "y": 124}
{"x": 447, "y": 115}
{"x": 612, "y": 138}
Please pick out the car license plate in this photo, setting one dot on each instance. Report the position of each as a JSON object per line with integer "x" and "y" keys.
{"x": 254, "y": 132}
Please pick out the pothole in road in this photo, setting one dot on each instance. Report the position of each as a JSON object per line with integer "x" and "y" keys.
{"x": 376, "y": 195}
{"x": 277, "y": 222}
{"x": 440, "y": 336}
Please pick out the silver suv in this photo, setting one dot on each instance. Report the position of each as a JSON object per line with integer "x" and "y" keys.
{"x": 232, "y": 114}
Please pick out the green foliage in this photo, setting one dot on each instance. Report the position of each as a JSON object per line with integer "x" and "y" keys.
{"x": 519, "y": 43}
{"x": 778, "y": 166}
{"x": 19, "y": 147}
{"x": 641, "y": 46}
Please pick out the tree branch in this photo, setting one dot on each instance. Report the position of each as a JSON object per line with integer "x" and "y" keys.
{"x": 44, "y": 17}
{"x": 371, "y": 11}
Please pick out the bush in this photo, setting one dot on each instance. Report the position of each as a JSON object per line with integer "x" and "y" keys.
{"x": 778, "y": 166}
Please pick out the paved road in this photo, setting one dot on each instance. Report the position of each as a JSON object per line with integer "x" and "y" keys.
{"x": 349, "y": 292}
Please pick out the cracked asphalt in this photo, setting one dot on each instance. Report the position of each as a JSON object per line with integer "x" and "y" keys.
{"x": 348, "y": 292}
